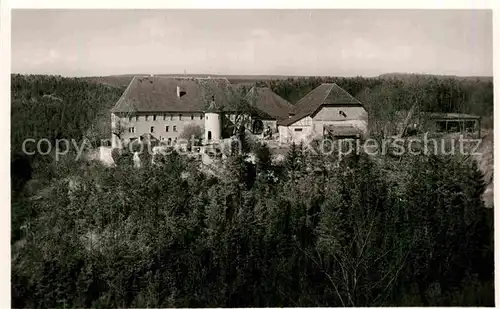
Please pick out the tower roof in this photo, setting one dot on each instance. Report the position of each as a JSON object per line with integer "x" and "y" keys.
{"x": 212, "y": 107}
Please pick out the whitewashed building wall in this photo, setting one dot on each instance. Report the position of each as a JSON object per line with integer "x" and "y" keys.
{"x": 355, "y": 116}
{"x": 164, "y": 125}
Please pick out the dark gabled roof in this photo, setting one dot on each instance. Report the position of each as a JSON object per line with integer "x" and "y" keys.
{"x": 159, "y": 94}
{"x": 269, "y": 104}
{"x": 323, "y": 95}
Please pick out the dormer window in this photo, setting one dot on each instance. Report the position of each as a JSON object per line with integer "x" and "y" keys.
{"x": 180, "y": 92}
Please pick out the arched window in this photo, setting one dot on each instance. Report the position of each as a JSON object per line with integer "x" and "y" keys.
{"x": 209, "y": 135}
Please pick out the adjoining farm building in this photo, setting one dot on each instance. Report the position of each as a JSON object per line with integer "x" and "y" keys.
{"x": 327, "y": 110}
{"x": 272, "y": 108}
{"x": 159, "y": 108}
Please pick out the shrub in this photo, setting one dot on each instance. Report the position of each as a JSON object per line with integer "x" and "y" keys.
{"x": 192, "y": 131}
{"x": 116, "y": 154}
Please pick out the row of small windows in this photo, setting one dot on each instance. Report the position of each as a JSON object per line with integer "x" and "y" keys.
{"x": 165, "y": 117}
{"x": 152, "y": 129}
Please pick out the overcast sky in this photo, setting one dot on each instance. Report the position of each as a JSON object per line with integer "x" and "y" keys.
{"x": 252, "y": 42}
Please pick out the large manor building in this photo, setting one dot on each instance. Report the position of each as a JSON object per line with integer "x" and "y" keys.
{"x": 161, "y": 107}
{"x": 158, "y": 107}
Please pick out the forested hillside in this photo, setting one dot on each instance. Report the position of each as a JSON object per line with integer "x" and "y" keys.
{"x": 51, "y": 108}
{"x": 54, "y": 107}
{"x": 371, "y": 231}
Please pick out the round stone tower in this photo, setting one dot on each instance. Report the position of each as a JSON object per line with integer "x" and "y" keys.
{"x": 212, "y": 123}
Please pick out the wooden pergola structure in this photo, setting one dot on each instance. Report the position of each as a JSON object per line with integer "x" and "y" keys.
{"x": 453, "y": 122}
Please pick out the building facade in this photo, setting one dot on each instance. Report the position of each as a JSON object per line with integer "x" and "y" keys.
{"x": 163, "y": 126}
{"x": 327, "y": 110}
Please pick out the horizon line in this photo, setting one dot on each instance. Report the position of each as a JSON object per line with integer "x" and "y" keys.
{"x": 255, "y": 75}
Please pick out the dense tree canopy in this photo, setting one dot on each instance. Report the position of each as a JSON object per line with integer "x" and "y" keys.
{"x": 53, "y": 107}
{"x": 167, "y": 235}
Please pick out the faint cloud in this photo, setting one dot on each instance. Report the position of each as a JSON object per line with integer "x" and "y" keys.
{"x": 54, "y": 55}
{"x": 401, "y": 52}
{"x": 154, "y": 27}
{"x": 43, "y": 57}
{"x": 361, "y": 48}
{"x": 260, "y": 33}
{"x": 157, "y": 27}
